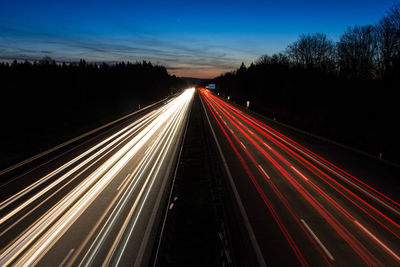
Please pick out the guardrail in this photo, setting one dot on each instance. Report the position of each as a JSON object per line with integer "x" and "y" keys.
{"x": 324, "y": 139}
{"x": 170, "y": 203}
{"x": 255, "y": 255}
{"x": 20, "y": 164}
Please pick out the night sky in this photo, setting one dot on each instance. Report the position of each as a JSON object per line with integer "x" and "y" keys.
{"x": 191, "y": 38}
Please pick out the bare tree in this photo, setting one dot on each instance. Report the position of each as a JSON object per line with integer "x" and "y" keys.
{"x": 264, "y": 60}
{"x": 388, "y": 31}
{"x": 280, "y": 58}
{"x": 313, "y": 51}
{"x": 357, "y": 52}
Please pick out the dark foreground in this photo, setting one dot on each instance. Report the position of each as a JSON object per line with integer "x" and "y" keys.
{"x": 303, "y": 209}
{"x": 100, "y": 202}
{"x": 241, "y": 194}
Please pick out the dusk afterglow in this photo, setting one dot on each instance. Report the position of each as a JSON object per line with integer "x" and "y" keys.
{"x": 199, "y": 133}
{"x": 190, "y": 38}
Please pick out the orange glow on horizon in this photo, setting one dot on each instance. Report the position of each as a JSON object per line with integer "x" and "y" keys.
{"x": 199, "y": 73}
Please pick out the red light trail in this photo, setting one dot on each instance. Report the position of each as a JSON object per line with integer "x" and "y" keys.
{"x": 365, "y": 219}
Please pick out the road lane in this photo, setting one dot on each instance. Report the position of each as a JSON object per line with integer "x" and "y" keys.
{"x": 325, "y": 215}
{"x": 110, "y": 194}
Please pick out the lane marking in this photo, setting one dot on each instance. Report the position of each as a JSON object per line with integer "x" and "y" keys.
{"x": 320, "y": 163}
{"x": 265, "y": 144}
{"x": 54, "y": 193}
{"x": 52, "y": 235}
{"x": 120, "y": 200}
{"x": 171, "y": 206}
{"x": 377, "y": 240}
{"x": 123, "y": 181}
{"x": 243, "y": 145}
{"x": 299, "y": 173}
{"x": 249, "y": 228}
{"x": 74, "y": 139}
{"x": 318, "y": 241}
{"x": 162, "y": 146}
{"x": 265, "y": 173}
{"x": 66, "y": 258}
{"x": 151, "y": 221}
{"x": 99, "y": 154}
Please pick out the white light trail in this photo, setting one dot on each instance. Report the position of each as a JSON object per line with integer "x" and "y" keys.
{"x": 123, "y": 133}
{"x": 157, "y": 129}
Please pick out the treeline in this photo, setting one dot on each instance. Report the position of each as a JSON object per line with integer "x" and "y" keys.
{"x": 44, "y": 103}
{"x": 345, "y": 90}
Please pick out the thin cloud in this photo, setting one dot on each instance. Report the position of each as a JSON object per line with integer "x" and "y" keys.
{"x": 177, "y": 57}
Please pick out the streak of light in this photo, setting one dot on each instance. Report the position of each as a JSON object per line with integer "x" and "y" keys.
{"x": 281, "y": 197}
{"x": 299, "y": 173}
{"x": 379, "y": 241}
{"x": 123, "y": 181}
{"x": 62, "y": 178}
{"x": 302, "y": 190}
{"x": 146, "y": 162}
{"x": 161, "y": 155}
{"x": 318, "y": 240}
{"x": 263, "y": 171}
{"x": 273, "y": 212}
{"x": 66, "y": 257}
{"x": 330, "y": 180}
{"x": 344, "y": 233}
{"x": 30, "y": 246}
{"x": 358, "y": 183}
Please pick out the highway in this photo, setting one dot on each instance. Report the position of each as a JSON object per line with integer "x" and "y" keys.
{"x": 103, "y": 206}
{"x": 302, "y": 209}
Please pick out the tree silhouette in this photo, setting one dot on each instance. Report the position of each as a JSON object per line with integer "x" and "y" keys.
{"x": 344, "y": 91}
{"x": 44, "y": 103}
{"x": 357, "y": 51}
{"x": 388, "y": 31}
{"x": 313, "y": 51}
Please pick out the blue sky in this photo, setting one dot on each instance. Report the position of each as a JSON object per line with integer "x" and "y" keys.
{"x": 191, "y": 38}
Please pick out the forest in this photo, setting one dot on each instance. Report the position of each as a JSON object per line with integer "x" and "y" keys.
{"x": 345, "y": 90}
{"x": 44, "y": 103}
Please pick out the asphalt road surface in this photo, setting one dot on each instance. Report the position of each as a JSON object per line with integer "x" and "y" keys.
{"x": 102, "y": 206}
{"x": 301, "y": 209}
